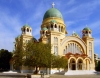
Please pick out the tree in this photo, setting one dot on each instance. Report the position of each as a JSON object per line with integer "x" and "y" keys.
{"x": 98, "y": 66}
{"x": 59, "y": 62}
{"x": 5, "y": 57}
{"x": 18, "y": 55}
{"x": 38, "y": 55}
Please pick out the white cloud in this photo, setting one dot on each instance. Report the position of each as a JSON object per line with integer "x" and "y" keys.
{"x": 69, "y": 23}
{"x": 71, "y": 2}
{"x": 82, "y": 10}
{"x": 9, "y": 29}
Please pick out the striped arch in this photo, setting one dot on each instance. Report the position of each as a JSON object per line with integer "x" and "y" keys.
{"x": 71, "y": 58}
{"x": 79, "y": 59}
{"x": 75, "y": 39}
{"x": 87, "y": 59}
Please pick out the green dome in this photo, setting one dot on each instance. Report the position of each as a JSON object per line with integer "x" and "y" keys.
{"x": 44, "y": 28}
{"x": 18, "y": 37}
{"x": 52, "y": 12}
{"x": 26, "y": 25}
{"x": 75, "y": 34}
{"x": 86, "y": 28}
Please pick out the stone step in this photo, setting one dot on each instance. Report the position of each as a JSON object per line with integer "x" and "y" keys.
{"x": 80, "y": 72}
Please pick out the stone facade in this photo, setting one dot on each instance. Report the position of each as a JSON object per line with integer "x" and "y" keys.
{"x": 79, "y": 51}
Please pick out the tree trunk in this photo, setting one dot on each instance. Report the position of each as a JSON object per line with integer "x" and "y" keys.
{"x": 36, "y": 71}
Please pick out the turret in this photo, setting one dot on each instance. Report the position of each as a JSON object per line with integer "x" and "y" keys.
{"x": 86, "y": 32}
{"x": 87, "y": 38}
{"x": 26, "y": 30}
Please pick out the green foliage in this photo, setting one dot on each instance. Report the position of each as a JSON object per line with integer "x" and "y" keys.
{"x": 5, "y": 57}
{"x": 38, "y": 54}
{"x": 18, "y": 55}
{"x": 59, "y": 62}
{"x": 98, "y": 66}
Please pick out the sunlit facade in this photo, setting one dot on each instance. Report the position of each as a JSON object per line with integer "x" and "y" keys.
{"x": 79, "y": 51}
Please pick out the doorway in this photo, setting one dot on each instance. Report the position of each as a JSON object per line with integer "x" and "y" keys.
{"x": 73, "y": 64}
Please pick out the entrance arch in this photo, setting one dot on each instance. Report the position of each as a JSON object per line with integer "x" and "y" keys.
{"x": 73, "y": 64}
{"x": 80, "y": 64}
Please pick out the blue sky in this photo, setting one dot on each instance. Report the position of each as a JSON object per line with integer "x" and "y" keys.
{"x": 76, "y": 13}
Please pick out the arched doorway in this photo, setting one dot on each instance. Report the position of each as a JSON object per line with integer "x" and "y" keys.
{"x": 80, "y": 64}
{"x": 87, "y": 64}
{"x": 73, "y": 64}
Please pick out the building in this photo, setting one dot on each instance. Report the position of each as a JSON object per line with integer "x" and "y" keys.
{"x": 96, "y": 57}
{"x": 79, "y": 51}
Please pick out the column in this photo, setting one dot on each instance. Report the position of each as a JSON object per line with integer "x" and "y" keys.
{"x": 53, "y": 27}
{"x": 82, "y": 66}
{"x": 68, "y": 66}
{"x": 73, "y": 47}
{"x": 76, "y": 66}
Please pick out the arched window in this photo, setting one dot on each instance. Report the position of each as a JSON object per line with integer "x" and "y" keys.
{"x": 24, "y": 29}
{"x": 64, "y": 52}
{"x": 86, "y": 32}
{"x": 56, "y": 39}
{"x": 46, "y": 32}
{"x": 59, "y": 28}
{"x": 89, "y": 32}
{"x": 90, "y": 44}
{"x": 51, "y": 25}
{"x": 66, "y": 49}
{"x": 55, "y": 26}
{"x": 43, "y": 32}
{"x": 27, "y": 29}
{"x": 56, "y": 50}
{"x": 47, "y": 27}
{"x": 90, "y": 53}
{"x": 30, "y": 30}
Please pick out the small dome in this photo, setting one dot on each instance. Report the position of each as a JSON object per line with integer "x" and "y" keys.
{"x": 53, "y": 21}
{"x": 52, "y": 12}
{"x": 75, "y": 34}
{"x": 86, "y": 28}
{"x": 34, "y": 39}
{"x": 44, "y": 28}
{"x": 26, "y": 25}
{"x": 18, "y": 37}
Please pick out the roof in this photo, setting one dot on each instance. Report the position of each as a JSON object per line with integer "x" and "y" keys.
{"x": 75, "y": 34}
{"x": 44, "y": 28}
{"x": 26, "y": 25}
{"x": 86, "y": 28}
{"x": 52, "y": 12}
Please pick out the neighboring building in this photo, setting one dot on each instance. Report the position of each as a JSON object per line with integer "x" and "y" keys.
{"x": 96, "y": 57}
{"x": 79, "y": 51}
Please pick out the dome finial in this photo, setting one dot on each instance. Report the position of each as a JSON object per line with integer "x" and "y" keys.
{"x": 53, "y": 5}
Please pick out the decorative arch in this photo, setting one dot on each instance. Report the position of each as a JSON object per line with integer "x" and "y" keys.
{"x": 27, "y": 29}
{"x": 74, "y": 39}
{"x": 79, "y": 58}
{"x": 71, "y": 58}
{"x": 72, "y": 63}
{"x": 87, "y": 63}
{"x": 87, "y": 59}
{"x": 55, "y": 25}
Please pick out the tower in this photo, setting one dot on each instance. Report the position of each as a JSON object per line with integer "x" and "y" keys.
{"x": 87, "y": 38}
{"x": 53, "y": 29}
{"x": 26, "y": 35}
{"x": 26, "y": 30}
